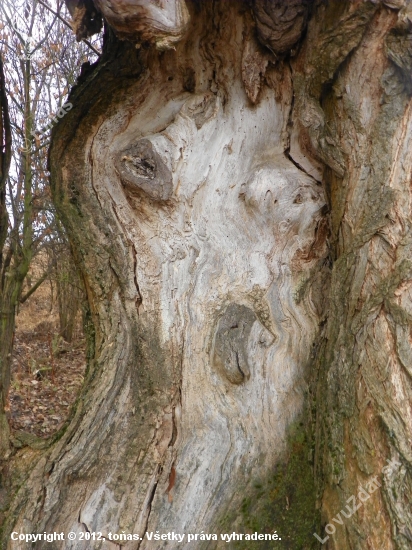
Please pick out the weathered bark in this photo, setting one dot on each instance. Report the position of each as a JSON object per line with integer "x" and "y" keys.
{"x": 189, "y": 182}
{"x": 69, "y": 294}
{"x": 362, "y": 100}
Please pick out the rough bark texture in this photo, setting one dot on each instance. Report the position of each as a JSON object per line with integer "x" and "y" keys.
{"x": 163, "y": 22}
{"x": 361, "y": 98}
{"x": 190, "y": 184}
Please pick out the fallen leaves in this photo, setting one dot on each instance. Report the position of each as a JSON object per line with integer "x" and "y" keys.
{"x": 39, "y": 405}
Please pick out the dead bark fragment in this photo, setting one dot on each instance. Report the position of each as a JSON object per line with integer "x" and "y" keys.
{"x": 141, "y": 167}
{"x": 229, "y": 352}
{"x": 162, "y": 22}
{"x": 86, "y": 19}
{"x": 280, "y": 24}
{"x": 254, "y": 63}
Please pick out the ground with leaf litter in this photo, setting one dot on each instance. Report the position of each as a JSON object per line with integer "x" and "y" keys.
{"x": 47, "y": 372}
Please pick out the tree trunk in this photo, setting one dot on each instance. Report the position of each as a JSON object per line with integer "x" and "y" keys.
{"x": 5, "y": 154}
{"x": 362, "y": 99}
{"x": 231, "y": 322}
{"x": 15, "y": 246}
{"x": 69, "y": 294}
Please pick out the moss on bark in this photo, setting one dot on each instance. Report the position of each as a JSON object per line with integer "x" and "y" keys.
{"x": 284, "y": 501}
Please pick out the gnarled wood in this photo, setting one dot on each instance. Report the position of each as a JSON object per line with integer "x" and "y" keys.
{"x": 199, "y": 222}
{"x": 163, "y": 22}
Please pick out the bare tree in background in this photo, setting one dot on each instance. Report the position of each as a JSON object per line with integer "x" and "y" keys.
{"x": 40, "y": 61}
{"x": 4, "y": 168}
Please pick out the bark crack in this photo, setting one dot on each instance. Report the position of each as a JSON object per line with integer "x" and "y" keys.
{"x": 238, "y": 364}
{"x": 174, "y": 429}
{"x": 172, "y": 479}
{"x": 289, "y": 127}
{"x": 82, "y": 522}
{"x": 139, "y": 299}
{"x": 299, "y": 166}
{"x": 149, "y": 505}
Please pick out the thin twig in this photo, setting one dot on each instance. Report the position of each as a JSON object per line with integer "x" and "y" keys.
{"x": 33, "y": 289}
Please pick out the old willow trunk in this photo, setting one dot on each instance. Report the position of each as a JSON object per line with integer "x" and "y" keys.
{"x": 235, "y": 179}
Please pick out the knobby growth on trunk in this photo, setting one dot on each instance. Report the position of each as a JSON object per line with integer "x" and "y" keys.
{"x": 235, "y": 179}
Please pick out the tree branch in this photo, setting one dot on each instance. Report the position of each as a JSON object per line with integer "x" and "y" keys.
{"x": 57, "y": 14}
{"x": 5, "y": 158}
{"x": 38, "y": 283}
